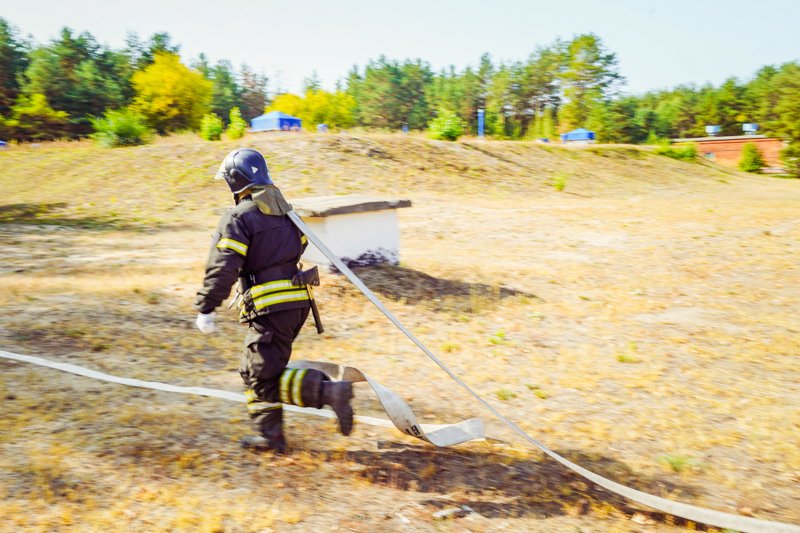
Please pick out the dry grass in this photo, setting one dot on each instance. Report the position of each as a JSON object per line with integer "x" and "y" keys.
{"x": 641, "y": 319}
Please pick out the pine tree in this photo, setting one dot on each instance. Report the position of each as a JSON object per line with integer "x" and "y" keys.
{"x": 13, "y": 61}
{"x": 253, "y": 96}
{"x": 787, "y": 108}
{"x": 761, "y": 96}
{"x": 225, "y": 91}
{"x": 589, "y": 77}
{"x": 312, "y": 83}
{"x": 78, "y": 76}
{"x": 391, "y": 94}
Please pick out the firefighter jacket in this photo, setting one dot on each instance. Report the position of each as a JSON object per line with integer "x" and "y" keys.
{"x": 260, "y": 250}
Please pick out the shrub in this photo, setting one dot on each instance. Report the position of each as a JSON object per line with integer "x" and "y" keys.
{"x": 752, "y": 160}
{"x": 32, "y": 119}
{"x": 505, "y": 394}
{"x": 538, "y": 391}
{"x": 791, "y": 158}
{"x": 655, "y": 140}
{"x": 121, "y": 127}
{"x": 446, "y": 126}
{"x": 237, "y": 125}
{"x": 560, "y": 181}
{"x": 211, "y": 127}
{"x": 687, "y": 152}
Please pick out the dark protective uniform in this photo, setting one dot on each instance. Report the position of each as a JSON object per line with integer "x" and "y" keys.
{"x": 262, "y": 252}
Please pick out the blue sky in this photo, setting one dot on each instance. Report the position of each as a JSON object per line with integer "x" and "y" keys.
{"x": 658, "y": 44}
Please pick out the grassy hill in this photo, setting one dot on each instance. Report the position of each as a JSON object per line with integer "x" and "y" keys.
{"x": 170, "y": 181}
{"x": 635, "y": 313}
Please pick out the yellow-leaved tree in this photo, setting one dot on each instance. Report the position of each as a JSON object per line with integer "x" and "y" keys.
{"x": 337, "y": 110}
{"x": 171, "y": 96}
{"x": 288, "y": 103}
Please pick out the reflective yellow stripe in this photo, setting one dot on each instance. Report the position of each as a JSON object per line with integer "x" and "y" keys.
{"x": 230, "y": 244}
{"x": 255, "y": 406}
{"x": 286, "y": 379}
{"x": 271, "y": 286}
{"x": 277, "y": 292}
{"x": 262, "y": 407}
{"x": 297, "y": 397}
{"x": 284, "y": 297}
{"x": 303, "y": 239}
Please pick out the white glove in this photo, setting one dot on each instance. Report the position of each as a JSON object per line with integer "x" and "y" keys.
{"x": 205, "y": 322}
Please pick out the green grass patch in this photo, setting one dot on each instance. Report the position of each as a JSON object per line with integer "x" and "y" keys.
{"x": 505, "y": 394}
{"x": 538, "y": 391}
{"x": 678, "y": 463}
{"x": 498, "y": 338}
{"x": 687, "y": 152}
{"x": 559, "y": 181}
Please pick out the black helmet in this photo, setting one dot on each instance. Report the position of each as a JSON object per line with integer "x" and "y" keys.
{"x": 244, "y": 168}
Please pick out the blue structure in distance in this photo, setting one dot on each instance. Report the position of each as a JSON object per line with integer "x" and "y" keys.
{"x": 750, "y": 128}
{"x": 275, "y": 121}
{"x": 481, "y": 114}
{"x": 581, "y": 134}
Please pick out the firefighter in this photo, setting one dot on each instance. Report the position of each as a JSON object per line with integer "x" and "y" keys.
{"x": 259, "y": 246}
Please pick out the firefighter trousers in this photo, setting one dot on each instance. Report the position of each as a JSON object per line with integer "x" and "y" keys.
{"x": 268, "y": 383}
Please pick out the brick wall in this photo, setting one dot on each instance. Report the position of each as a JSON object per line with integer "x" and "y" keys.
{"x": 728, "y": 151}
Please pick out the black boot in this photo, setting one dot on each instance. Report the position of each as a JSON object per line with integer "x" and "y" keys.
{"x": 262, "y": 444}
{"x": 338, "y": 394}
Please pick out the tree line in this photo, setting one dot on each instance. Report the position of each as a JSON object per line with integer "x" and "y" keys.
{"x": 57, "y": 89}
{"x": 570, "y": 84}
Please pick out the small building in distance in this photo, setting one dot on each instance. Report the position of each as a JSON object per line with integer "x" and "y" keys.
{"x": 360, "y": 230}
{"x": 728, "y": 150}
{"x": 275, "y": 121}
{"x": 579, "y": 136}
